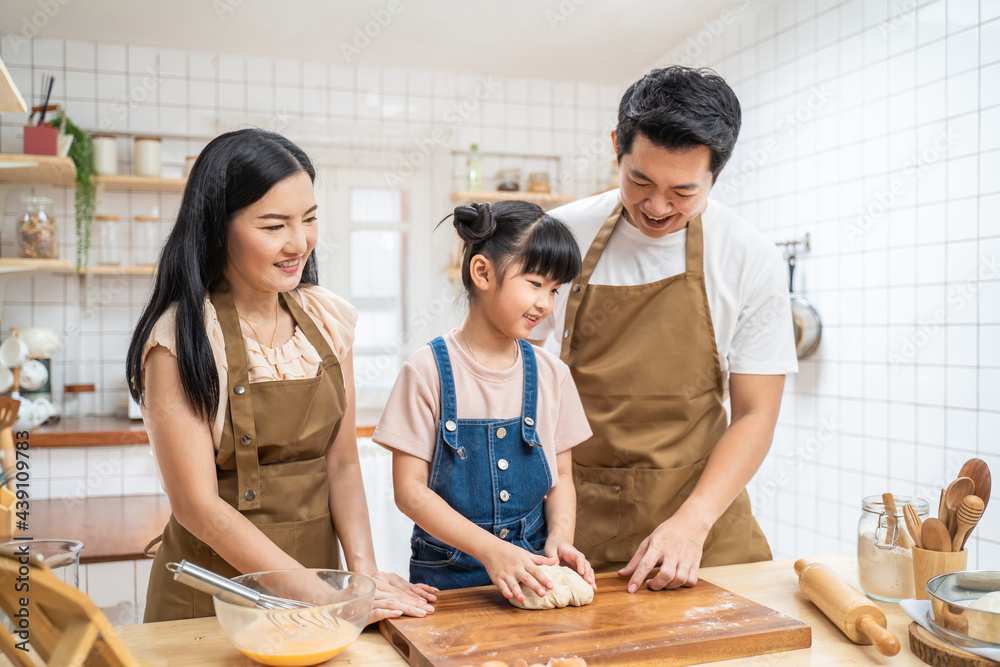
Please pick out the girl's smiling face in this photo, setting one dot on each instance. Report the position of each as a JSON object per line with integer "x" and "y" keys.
{"x": 270, "y": 240}
{"x": 519, "y": 303}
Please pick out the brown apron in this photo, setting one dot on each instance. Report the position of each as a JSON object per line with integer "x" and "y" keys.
{"x": 271, "y": 466}
{"x": 645, "y": 362}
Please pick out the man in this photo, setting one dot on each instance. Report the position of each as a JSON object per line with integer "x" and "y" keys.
{"x": 679, "y": 303}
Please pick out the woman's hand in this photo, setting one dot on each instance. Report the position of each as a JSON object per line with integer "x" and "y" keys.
{"x": 509, "y": 566}
{"x": 676, "y": 547}
{"x": 570, "y": 556}
{"x": 394, "y": 596}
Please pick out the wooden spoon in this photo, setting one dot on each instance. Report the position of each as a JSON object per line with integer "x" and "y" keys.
{"x": 913, "y": 524}
{"x": 892, "y": 522}
{"x": 979, "y": 473}
{"x": 934, "y": 534}
{"x": 967, "y": 516}
{"x": 957, "y": 490}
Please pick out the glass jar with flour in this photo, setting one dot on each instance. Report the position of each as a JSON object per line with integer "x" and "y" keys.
{"x": 885, "y": 563}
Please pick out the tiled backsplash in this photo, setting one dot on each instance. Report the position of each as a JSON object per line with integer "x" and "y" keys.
{"x": 873, "y": 126}
{"x": 340, "y": 115}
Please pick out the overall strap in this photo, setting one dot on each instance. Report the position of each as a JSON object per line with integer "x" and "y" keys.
{"x": 448, "y": 425}
{"x": 529, "y": 403}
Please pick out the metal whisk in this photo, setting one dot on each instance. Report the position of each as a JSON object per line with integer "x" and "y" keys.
{"x": 209, "y": 582}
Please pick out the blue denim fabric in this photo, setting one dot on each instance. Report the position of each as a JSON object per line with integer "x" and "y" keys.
{"x": 467, "y": 473}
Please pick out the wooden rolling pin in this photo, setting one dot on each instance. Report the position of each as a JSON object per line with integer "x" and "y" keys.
{"x": 856, "y": 616}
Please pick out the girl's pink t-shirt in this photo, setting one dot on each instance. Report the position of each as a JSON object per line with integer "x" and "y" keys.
{"x": 409, "y": 422}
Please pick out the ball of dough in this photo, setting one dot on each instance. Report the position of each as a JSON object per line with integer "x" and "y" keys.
{"x": 569, "y": 589}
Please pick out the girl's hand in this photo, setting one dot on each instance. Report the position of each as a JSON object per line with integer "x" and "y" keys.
{"x": 571, "y": 557}
{"x": 509, "y": 566}
{"x": 394, "y": 596}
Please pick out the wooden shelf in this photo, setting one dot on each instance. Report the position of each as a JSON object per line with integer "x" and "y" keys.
{"x": 117, "y": 182}
{"x": 117, "y": 270}
{"x": 36, "y": 169}
{"x": 546, "y": 201}
{"x": 23, "y": 265}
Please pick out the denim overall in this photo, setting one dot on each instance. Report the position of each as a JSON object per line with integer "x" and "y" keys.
{"x": 492, "y": 471}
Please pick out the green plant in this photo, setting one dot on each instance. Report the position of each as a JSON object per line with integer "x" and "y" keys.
{"x": 82, "y": 154}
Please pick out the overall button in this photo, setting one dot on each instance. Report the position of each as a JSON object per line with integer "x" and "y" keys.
{"x": 450, "y": 425}
{"x": 529, "y": 421}
{"x": 250, "y": 495}
{"x": 501, "y": 432}
{"x": 245, "y": 440}
{"x": 238, "y": 390}
{"x": 577, "y": 287}
{"x": 502, "y": 464}
{"x": 503, "y": 533}
{"x": 504, "y": 496}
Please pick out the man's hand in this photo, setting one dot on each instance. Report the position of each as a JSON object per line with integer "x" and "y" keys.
{"x": 676, "y": 547}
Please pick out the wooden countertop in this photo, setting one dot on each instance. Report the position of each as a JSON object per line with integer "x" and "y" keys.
{"x": 111, "y": 529}
{"x": 200, "y": 642}
{"x": 107, "y": 431}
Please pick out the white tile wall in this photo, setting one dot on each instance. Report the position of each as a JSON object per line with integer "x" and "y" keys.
{"x": 871, "y": 124}
{"x": 329, "y": 109}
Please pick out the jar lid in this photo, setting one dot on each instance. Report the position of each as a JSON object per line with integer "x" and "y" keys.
{"x": 538, "y": 176}
{"x": 148, "y": 139}
{"x": 107, "y": 218}
{"x": 35, "y": 199}
{"x": 874, "y": 504}
{"x": 103, "y": 136}
{"x": 146, "y": 218}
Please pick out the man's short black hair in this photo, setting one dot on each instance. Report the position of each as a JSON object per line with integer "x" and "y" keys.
{"x": 678, "y": 108}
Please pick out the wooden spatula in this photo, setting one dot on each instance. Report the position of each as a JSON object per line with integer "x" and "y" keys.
{"x": 935, "y": 536}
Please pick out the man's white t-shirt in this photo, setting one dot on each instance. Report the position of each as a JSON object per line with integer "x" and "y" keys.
{"x": 745, "y": 277}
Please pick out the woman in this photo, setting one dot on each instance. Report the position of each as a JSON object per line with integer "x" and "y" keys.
{"x": 243, "y": 368}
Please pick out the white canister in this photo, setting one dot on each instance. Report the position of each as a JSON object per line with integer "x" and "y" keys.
{"x": 108, "y": 239}
{"x": 148, "y": 157}
{"x": 105, "y": 149}
{"x": 146, "y": 239}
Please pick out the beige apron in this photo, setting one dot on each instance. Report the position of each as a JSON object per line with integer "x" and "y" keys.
{"x": 645, "y": 362}
{"x": 271, "y": 466}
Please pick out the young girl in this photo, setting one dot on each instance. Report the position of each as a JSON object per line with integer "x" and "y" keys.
{"x": 481, "y": 424}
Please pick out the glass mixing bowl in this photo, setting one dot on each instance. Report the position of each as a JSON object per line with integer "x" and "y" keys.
{"x": 299, "y": 637}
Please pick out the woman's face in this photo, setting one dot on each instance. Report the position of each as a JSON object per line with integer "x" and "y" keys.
{"x": 270, "y": 240}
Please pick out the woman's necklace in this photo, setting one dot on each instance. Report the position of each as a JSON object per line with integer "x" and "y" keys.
{"x": 461, "y": 330}
{"x": 274, "y": 335}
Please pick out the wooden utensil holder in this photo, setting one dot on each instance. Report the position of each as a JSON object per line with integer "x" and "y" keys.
{"x": 929, "y": 564}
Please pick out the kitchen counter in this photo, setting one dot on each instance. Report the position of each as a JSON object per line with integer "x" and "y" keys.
{"x": 105, "y": 431}
{"x": 111, "y": 529}
{"x": 200, "y": 642}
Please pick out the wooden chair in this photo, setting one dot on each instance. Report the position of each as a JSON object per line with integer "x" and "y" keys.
{"x": 66, "y": 628}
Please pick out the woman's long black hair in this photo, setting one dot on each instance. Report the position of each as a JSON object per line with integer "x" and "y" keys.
{"x": 233, "y": 171}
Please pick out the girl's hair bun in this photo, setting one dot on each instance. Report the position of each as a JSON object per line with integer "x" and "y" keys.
{"x": 475, "y": 222}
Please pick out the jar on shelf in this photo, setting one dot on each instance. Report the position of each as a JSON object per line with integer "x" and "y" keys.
{"x": 510, "y": 180}
{"x": 885, "y": 566}
{"x": 105, "y": 148}
{"x": 108, "y": 232}
{"x": 36, "y": 231}
{"x": 146, "y": 239}
{"x": 538, "y": 181}
{"x": 148, "y": 157}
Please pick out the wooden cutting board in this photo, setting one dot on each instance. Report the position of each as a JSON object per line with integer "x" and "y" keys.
{"x": 704, "y": 623}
